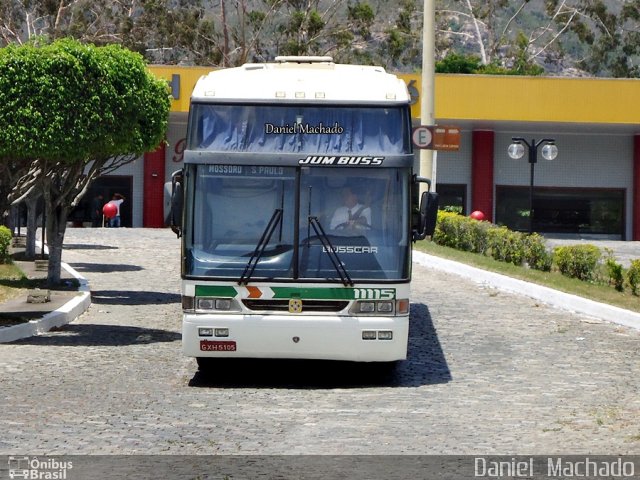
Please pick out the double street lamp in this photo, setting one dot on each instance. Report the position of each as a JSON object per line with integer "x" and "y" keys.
{"x": 516, "y": 151}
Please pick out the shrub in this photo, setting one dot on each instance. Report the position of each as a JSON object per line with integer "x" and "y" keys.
{"x": 577, "y": 261}
{"x": 480, "y": 235}
{"x": 452, "y": 209}
{"x": 633, "y": 276}
{"x": 446, "y": 229}
{"x": 506, "y": 246}
{"x": 5, "y": 243}
{"x": 460, "y": 232}
{"x": 536, "y": 254}
{"x": 615, "y": 272}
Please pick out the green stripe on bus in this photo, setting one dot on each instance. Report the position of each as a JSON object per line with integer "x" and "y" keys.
{"x": 215, "y": 291}
{"x": 314, "y": 293}
{"x": 335, "y": 293}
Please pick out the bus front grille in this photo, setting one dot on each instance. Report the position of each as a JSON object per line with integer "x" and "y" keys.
{"x": 307, "y": 305}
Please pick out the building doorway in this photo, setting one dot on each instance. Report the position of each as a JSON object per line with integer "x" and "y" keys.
{"x": 106, "y": 186}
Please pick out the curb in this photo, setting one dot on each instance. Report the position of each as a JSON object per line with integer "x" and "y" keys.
{"x": 63, "y": 315}
{"x": 546, "y": 295}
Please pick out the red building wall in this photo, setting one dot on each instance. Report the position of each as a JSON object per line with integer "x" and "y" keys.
{"x": 635, "y": 213}
{"x": 154, "y": 174}
{"x": 482, "y": 172}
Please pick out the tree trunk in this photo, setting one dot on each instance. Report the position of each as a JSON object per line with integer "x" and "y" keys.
{"x": 56, "y": 227}
{"x": 30, "y": 251}
{"x": 225, "y": 35}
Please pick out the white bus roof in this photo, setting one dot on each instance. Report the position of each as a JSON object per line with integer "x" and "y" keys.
{"x": 301, "y": 79}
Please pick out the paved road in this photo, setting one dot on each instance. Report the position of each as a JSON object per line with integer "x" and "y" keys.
{"x": 488, "y": 373}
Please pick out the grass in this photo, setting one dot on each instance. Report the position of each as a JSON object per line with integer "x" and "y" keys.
{"x": 597, "y": 291}
{"x": 12, "y": 282}
{"x": 15, "y": 284}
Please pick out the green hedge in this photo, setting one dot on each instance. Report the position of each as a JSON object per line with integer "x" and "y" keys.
{"x": 633, "y": 276}
{"x": 467, "y": 234}
{"x": 584, "y": 262}
{"x": 577, "y": 261}
{"x": 536, "y": 253}
{"x": 5, "y": 244}
{"x": 461, "y": 233}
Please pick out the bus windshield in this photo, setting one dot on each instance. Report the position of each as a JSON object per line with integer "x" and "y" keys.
{"x": 238, "y": 212}
{"x": 288, "y": 128}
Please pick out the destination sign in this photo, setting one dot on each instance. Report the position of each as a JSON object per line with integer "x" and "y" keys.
{"x": 249, "y": 170}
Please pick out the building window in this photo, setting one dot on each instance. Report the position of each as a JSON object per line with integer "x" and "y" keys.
{"x": 452, "y": 197}
{"x": 562, "y": 210}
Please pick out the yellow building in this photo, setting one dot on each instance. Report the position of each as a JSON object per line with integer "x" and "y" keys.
{"x": 589, "y": 190}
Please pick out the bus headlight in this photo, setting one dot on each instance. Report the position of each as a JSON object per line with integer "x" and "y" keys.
{"x": 373, "y": 307}
{"x": 223, "y": 304}
{"x": 210, "y": 332}
{"x": 385, "y": 335}
{"x": 205, "y": 332}
{"x": 212, "y": 304}
{"x": 367, "y": 307}
{"x": 385, "y": 307}
{"x": 221, "y": 332}
{"x": 205, "y": 304}
{"x": 369, "y": 334}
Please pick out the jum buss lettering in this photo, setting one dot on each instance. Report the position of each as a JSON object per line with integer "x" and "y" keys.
{"x": 322, "y": 160}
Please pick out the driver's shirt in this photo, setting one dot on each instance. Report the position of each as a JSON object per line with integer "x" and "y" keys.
{"x": 344, "y": 214}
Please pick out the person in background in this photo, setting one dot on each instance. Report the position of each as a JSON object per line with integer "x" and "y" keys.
{"x": 117, "y": 200}
{"x": 96, "y": 210}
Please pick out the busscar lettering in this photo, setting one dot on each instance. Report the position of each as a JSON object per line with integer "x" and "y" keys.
{"x": 350, "y": 249}
{"x": 343, "y": 161}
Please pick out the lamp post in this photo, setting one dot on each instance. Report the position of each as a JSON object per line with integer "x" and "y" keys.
{"x": 516, "y": 151}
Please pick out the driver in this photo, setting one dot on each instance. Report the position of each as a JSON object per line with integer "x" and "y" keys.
{"x": 352, "y": 215}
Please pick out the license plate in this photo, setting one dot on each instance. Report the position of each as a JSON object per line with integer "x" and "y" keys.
{"x": 217, "y": 346}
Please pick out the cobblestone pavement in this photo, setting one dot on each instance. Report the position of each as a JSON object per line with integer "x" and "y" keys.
{"x": 488, "y": 373}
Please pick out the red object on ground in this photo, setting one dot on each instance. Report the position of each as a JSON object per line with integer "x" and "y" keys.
{"x": 109, "y": 210}
{"x": 477, "y": 215}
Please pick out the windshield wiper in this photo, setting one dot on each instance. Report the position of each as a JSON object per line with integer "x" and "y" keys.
{"x": 260, "y": 247}
{"x": 333, "y": 256}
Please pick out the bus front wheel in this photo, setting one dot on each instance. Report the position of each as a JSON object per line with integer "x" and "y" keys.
{"x": 205, "y": 363}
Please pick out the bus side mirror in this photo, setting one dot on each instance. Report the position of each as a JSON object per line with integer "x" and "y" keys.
{"x": 177, "y": 196}
{"x": 428, "y": 216}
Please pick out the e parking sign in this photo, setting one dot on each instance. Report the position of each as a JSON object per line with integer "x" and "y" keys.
{"x": 436, "y": 137}
{"x": 422, "y": 136}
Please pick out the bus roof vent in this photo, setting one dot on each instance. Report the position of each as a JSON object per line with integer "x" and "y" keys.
{"x": 254, "y": 66}
{"x": 303, "y": 59}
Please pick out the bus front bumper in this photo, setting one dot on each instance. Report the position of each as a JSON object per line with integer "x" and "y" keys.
{"x": 361, "y": 339}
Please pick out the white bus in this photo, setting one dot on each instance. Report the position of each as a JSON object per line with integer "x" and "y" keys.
{"x": 297, "y": 206}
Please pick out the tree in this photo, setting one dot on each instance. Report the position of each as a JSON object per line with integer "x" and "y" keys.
{"x": 402, "y": 45}
{"x": 515, "y": 35}
{"x": 612, "y": 33}
{"x": 75, "y": 112}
